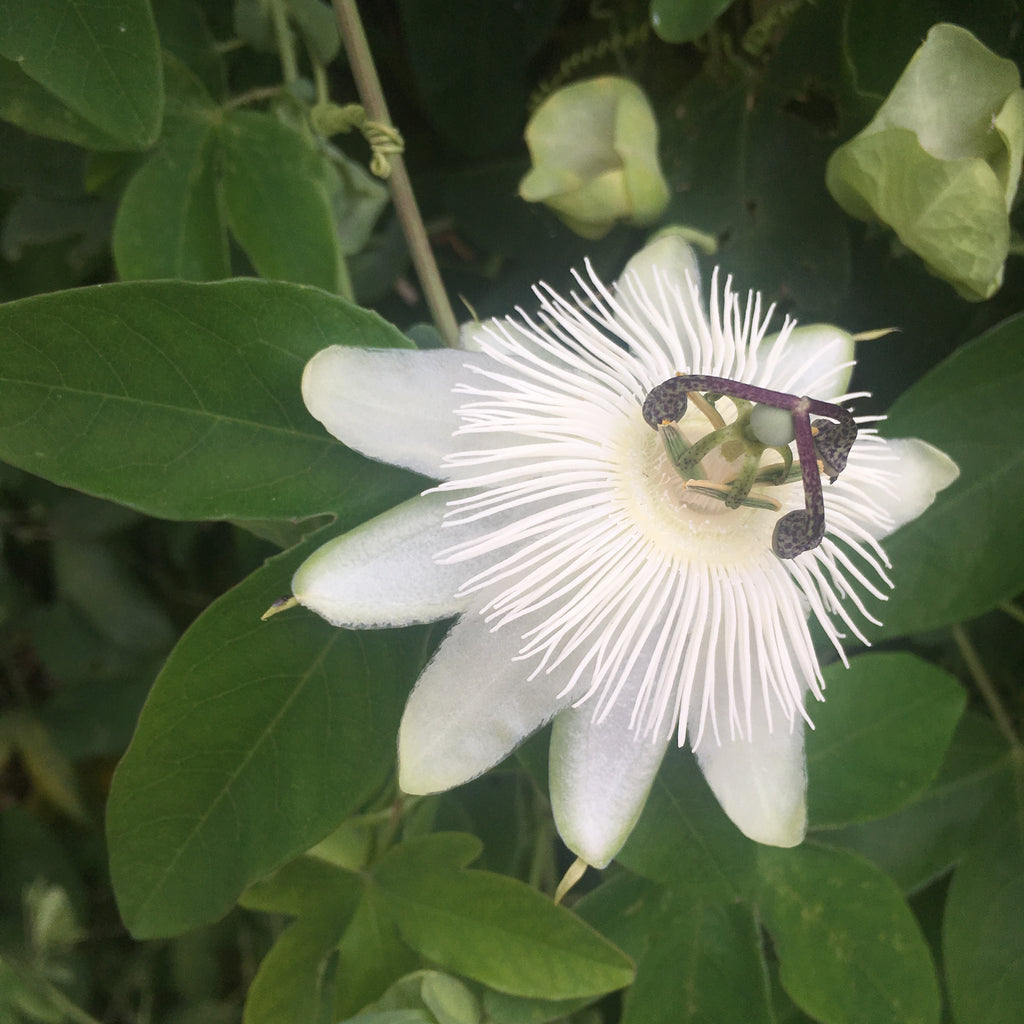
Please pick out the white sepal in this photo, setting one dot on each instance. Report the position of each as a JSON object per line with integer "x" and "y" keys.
{"x": 394, "y": 405}
{"x": 761, "y": 781}
{"x": 600, "y": 774}
{"x": 470, "y": 708}
{"x": 918, "y": 472}
{"x": 382, "y": 573}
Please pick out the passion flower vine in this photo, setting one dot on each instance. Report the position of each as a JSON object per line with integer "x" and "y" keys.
{"x": 630, "y": 542}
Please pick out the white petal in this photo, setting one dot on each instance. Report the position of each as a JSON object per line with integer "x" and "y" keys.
{"x": 815, "y": 360}
{"x": 382, "y": 573}
{"x": 917, "y": 472}
{"x": 668, "y": 260}
{"x": 470, "y": 708}
{"x": 395, "y": 405}
{"x": 600, "y": 774}
{"x": 761, "y": 782}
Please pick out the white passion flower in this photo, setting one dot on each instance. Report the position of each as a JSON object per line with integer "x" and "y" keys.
{"x": 611, "y": 530}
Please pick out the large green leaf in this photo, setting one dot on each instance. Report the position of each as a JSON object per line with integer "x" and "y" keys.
{"x": 295, "y": 982}
{"x": 753, "y": 177}
{"x": 879, "y": 37}
{"x": 472, "y": 66}
{"x": 983, "y": 941}
{"x": 921, "y": 841}
{"x": 99, "y": 61}
{"x": 278, "y": 201}
{"x": 624, "y": 908}
{"x": 964, "y": 556}
{"x": 257, "y": 739}
{"x": 493, "y": 928}
{"x": 684, "y": 840}
{"x": 880, "y": 736}
{"x": 705, "y": 965}
{"x": 850, "y": 951}
{"x": 183, "y": 400}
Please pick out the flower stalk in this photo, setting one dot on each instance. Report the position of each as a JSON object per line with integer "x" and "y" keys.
{"x": 983, "y": 681}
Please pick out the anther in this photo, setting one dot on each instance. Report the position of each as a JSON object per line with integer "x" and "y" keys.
{"x": 774, "y": 421}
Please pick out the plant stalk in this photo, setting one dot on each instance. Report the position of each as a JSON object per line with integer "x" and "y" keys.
{"x": 372, "y": 97}
{"x": 983, "y": 681}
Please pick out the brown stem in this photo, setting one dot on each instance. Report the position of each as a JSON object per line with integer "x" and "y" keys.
{"x": 372, "y": 97}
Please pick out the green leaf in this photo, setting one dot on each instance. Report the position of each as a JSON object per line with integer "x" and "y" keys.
{"x": 295, "y": 981}
{"x": 850, "y": 951}
{"x": 391, "y": 1017}
{"x": 680, "y": 21}
{"x": 684, "y": 840}
{"x": 301, "y": 888}
{"x": 983, "y": 942}
{"x": 754, "y": 178}
{"x": 319, "y": 27}
{"x": 24, "y": 102}
{"x": 623, "y": 908}
{"x": 879, "y": 37}
{"x": 963, "y": 556}
{"x": 169, "y": 222}
{"x": 505, "y": 1009}
{"x": 472, "y": 66}
{"x": 921, "y": 841}
{"x": 371, "y": 956}
{"x": 99, "y": 61}
{"x": 492, "y": 928}
{"x": 183, "y": 401}
{"x": 357, "y": 199}
{"x": 185, "y": 33}
{"x": 704, "y": 965}
{"x": 88, "y": 575}
{"x": 440, "y": 997}
{"x": 879, "y": 738}
{"x": 257, "y": 739}
{"x": 449, "y": 1000}
{"x": 277, "y": 200}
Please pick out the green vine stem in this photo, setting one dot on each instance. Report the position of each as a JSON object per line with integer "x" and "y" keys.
{"x": 372, "y": 97}
{"x": 283, "y": 36}
{"x": 983, "y": 681}
{"x": 1014, "y": 611}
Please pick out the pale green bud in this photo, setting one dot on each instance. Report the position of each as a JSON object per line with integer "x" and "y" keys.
{"x": 594, "y": 147}
{"x": 941, "y": 160}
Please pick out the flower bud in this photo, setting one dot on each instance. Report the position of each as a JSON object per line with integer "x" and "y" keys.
{"x": 941, "y": 160}
{"x": 594, "y": 147}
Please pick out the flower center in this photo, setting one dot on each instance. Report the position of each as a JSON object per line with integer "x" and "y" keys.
{"x": 773, "y": 423}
